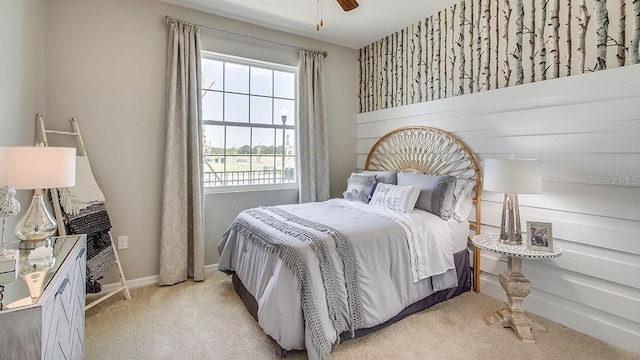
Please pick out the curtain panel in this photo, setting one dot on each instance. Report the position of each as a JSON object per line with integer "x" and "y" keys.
{"x": 182, "y": 237}
{"x": 312, "y": 131}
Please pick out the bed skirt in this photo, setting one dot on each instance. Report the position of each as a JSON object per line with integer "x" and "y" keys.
{"x": 463, "y": 270}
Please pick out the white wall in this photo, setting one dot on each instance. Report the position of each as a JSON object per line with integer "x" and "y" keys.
{"x": 582, "y": 128}
{"x": 21, "y": 77}
{"x": 105, "y": 63}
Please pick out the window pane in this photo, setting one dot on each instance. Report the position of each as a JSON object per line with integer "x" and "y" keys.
{"x": 213, "y": 148}
{"x": 261, "y": 81}
{"x": 238, "y": 170}
{"x": 284, "y": 107}
{"x": 261, "y": 112}
{"x": 279, "y": 142}
{"x": 212, "y": 74}
{"x": 238, "y": 140}
{"x": 236, "y": 78}
{"x": 290, "y": 142}
{"x": 212, "y": 105}
{"x": 236, "y": 107}
{"x": 263, "y": 140}
{"x": 266, "y": 166}
{"x": 279, "y": 162}
{"x": 289, "y": 169}
{"x": 213, "y": 139}
{"x": 284, "y": 84}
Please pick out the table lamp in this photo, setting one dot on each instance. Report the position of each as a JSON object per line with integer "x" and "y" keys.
{"x": 512, "y": 177}
{"x": 37, "y": 168}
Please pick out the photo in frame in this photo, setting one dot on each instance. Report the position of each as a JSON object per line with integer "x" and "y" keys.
{"x": 540, "y": 236}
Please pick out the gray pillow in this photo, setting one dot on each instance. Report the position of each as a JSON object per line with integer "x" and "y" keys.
{"x": 436, "y": 194}
{"x": 385, "y": 177}
{"x": 360, "y": 187}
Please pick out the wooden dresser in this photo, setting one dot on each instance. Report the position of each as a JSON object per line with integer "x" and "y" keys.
{"x": 51, "y": 324}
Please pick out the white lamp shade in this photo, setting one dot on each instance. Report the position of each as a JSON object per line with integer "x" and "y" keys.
{"x": 37, "y": 167}
{"x": 512, "y": 176}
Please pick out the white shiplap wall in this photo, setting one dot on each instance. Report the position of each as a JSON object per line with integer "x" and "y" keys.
{"x": 580, "y": 127}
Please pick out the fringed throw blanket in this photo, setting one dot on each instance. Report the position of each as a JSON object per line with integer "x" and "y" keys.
{"x": 95, "y": 222}
{"x": 317, "y": 270}
{"x": 294, "y": 237}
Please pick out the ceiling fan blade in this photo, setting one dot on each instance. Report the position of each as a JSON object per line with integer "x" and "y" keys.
{"x": 348, "y": 5}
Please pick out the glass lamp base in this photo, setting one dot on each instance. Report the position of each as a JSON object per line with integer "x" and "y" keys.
{"x": 32, "y": 244}
{"x": 510, "y": 230}
{"x": 37, "y": 224}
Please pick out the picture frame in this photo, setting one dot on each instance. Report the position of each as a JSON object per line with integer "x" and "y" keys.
{"x": 540, "y": 236}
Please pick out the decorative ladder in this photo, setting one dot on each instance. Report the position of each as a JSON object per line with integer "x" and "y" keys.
{"x": 62, "y": 231}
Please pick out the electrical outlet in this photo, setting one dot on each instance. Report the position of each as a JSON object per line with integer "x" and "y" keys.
{"x": 123, "y": 242}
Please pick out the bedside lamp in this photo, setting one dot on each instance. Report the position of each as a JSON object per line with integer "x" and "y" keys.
{"x": 512, "y": 177}
{"x": 37, "y": 168}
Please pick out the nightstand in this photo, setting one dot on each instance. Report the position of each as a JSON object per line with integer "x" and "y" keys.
{"x": 515, "y": 285}
{"x": 46, "y": 321}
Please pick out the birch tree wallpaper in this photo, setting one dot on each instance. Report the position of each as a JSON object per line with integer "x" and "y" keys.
{"x": 479, "y": 45}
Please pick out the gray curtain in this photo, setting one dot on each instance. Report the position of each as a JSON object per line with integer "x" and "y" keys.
{"x": 182, "y": 238}
{"x": 312, "y": 129}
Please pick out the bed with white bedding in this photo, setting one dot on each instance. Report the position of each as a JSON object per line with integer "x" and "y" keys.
{"x": 313, "y": 274}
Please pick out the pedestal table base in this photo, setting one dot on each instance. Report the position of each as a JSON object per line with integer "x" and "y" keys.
{"x": 517, "y": 287}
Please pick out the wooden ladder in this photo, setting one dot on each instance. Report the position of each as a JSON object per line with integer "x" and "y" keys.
{"x": 62, "y": 230}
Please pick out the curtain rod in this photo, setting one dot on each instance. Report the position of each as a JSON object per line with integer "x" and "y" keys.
{"x": 169, "y": 19}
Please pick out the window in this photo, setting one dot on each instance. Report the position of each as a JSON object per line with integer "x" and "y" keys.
{"x": 249, "y": 123}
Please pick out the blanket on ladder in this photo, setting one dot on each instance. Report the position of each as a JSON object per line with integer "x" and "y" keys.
{"x": 95, "y": 222}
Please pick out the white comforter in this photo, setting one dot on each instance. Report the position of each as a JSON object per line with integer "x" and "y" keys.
{"x": 397, "y": 260}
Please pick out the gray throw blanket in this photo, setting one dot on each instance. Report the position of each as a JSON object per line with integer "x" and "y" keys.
{"x": 95, "y": 222}
{"x": 343, "y": 247}
{"x": 286, "y": 247}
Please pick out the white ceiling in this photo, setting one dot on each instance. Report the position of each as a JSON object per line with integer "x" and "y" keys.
{"x": 371, "y": 21}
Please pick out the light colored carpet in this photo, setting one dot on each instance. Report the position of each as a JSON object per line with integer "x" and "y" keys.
{"x": 207, "y": 320}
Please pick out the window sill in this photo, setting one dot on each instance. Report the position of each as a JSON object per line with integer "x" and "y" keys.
{"x": 249, "y": 188}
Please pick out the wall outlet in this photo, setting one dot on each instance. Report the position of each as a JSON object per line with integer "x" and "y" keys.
{"x": 123, "y": 242}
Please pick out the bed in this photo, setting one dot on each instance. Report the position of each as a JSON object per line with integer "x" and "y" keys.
{"x": 319, "y": 273}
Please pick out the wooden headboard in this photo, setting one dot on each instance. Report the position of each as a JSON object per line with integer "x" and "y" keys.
{"x": 434, "y": 152}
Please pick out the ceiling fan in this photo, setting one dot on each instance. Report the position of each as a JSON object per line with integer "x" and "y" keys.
{"x": 348, "y": 5}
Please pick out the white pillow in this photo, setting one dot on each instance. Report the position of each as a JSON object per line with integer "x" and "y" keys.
{"x": 463, "y": 203}
{"x": 397, "y": 198}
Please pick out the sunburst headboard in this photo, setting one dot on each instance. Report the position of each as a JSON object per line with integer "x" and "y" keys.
{"x": 435, "y": 152}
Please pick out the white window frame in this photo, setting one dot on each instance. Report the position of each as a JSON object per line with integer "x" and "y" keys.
{"x": 270, "y": 66}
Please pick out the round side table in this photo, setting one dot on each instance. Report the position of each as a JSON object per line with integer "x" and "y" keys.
{"x": 515, "y": 285}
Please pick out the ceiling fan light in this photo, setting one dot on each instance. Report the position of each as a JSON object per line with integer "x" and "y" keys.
{"x": 348, "y": 5}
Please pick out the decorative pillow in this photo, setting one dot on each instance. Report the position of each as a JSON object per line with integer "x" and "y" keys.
{"x": 385, "y": 177}
{"x": 359, "y": 187}
{"x": 436, "y": 194}
{"x": 463, "y": 203}
{"x": 398, "y": 198}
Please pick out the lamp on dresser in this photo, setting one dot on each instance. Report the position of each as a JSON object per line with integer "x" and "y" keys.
{"x": 37, "y": 168}
{"x": 512, "y": 177}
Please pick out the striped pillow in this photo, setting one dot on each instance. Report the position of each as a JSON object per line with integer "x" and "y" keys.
{"x": 359, "y": 187}
{"x": 436, "y": 195}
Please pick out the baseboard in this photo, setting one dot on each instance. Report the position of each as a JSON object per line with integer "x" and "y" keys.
{"x": 149, "y": 280}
